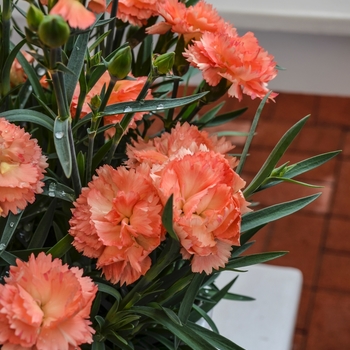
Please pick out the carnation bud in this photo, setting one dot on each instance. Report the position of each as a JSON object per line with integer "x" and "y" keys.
{"x": 120, "y": 65}
{"x": 95, "y": 103}
{"x": 34, "y": 18}
{"x": 53, "y": 31}
{"x": 164, "y": 63}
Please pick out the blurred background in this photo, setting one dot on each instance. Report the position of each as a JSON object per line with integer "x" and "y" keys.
{"x": 311, "y": 39}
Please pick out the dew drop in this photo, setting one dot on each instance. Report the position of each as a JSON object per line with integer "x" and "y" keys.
{"x": 52, "y": 189}
{"x": 63, "y": 193}
{"x": 160, "y": 106}
{"x": 40, "y": 71}
{"x": 12, "y": 224}
{"x": 78, "y": 48}
{"x": 59, "y": 135}
{"x": 127, "y": 109}
{"x": 2, "y": 246}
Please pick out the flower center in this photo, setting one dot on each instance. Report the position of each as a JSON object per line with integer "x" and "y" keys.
{"x": 5, "y": 167}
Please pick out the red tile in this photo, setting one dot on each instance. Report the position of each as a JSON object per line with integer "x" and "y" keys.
{"x": 342, "y": 195}
{"x": 317, "y": 139}
{"x": 335, "y": 272}
{"x": 305, "y": 303}
{"x": 261, "y": 239}
{"x": 299, "y": 234}
{"x": 334, "y": 110}
{"x": 299, "y": 340}
{"x": 293, "y": 107}
{"x": 338, "y": 237}
{"x": 329, "y": 328}
{"x": 346, "y": 144}
{"x": 242, "y": 126}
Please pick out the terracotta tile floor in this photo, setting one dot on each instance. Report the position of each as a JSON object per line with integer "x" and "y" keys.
{"x": 318, "y": 237}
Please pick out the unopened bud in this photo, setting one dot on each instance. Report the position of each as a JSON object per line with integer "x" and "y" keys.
{"x": 95, "y": 103}
{"x": 164, "y": 63}
{"x": 34, "y": 18}
{"x": 53, "y": 31}
{"x": 120, "y": 65}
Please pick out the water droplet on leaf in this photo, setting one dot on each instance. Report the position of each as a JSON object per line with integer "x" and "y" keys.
{"x": 160, "y": 106}
{"x": 127, "y": 109}
{"x": 59, "y": 135}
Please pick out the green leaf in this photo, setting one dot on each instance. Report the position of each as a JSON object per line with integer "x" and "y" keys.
{"x": 253, "y": 259}
{"x": 190, "y": 296}
{"x": 260, "y": 217}
{"x": 41, "y": 232}
{"x": 206, "y": 318}
{"x": 96, "y": 345}
{"x": 54, "y": 189}
{"x": 27, "y": 115}
{"x": 224, "y": 118}
{"x": 75, "y": 64}
{"x": 184, "y": 333}
{"x": 207, "y": 117}
{"x": 215, "y": 339}
{"x": 9, "y": 230}
{"x": 61, "y": 247}
{"x": 32, "y": 77}
{"x": 150, "y": 105}
{"x": 251, "y": 134}
{"x": 105, "y": 288}
{"x": 286, "y": 179}
{"x": 61, "y": 140}
{"x": 304, "y": 166}
{"x": 167, "y": 218}
{"x": 8, "y": 257}
{"x": 274, "y": 157}
{"x": 5, "y": 77}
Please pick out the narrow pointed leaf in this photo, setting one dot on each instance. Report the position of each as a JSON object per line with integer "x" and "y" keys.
{"x": 26, "y": 115}
{"x": 304, "y": 166}
{"x": 274, "y": 157}
{"x": 9, "y": 230}
{"x": 61, "y": 247}
{"x": 263, "y": 216}
{"x": 75, "y": 64}
{"x": 253, "y": 259}
{"x": 251, "y": 134}
{"x": 41, "y": 232}
{"x": 32, "y": 77}
{"x": 215, "y": 339}
{"x": 150, "y": 105}
{"x": 224, "y": 118}
{"x": 206, "y": 317}
{"x": 167, "y": 218}
{"x": 61, "y": 140}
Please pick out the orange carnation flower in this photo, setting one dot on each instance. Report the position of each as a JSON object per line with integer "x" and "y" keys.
{"x": 208, "y": 205}
{"x": 124, "y": 91}
{"x": 181, "y": 138}
{"x": 117, "y": 220}
{"x": 190, "y": 21}
{"x": 45, "y": 305}
{"x": 17, "y": 74}
{"x": 75, "y": 13}
{"x": 137, "y": 12}
{"x": 240, "y": 60}
{"x": 21, "y": 168}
